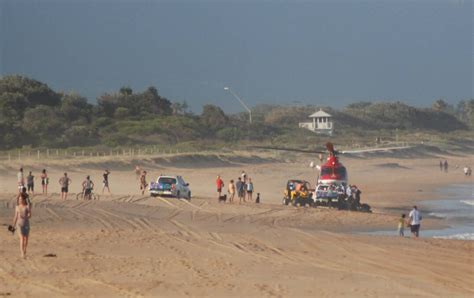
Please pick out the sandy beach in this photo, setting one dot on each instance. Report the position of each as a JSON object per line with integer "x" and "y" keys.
{"x": 126, "y": 244}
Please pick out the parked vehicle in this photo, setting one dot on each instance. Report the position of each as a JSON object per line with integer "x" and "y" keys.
{"x": 171, "y": 186}
{"x": 302, "y": 193}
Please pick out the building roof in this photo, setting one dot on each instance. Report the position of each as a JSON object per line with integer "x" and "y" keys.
{"x": 319, "y": 113}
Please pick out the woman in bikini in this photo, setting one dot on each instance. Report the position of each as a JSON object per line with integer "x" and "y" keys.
{"x": 22, "y": 223}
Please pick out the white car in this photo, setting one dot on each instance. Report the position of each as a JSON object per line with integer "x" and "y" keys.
{"x": 173, "y": 186}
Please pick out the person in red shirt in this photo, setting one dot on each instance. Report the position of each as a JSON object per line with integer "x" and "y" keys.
{"x": 219, "y": 184}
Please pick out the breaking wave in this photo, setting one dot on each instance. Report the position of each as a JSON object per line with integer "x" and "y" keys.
{"x": 468, "y": 202}
{"x": 462, "y": 236}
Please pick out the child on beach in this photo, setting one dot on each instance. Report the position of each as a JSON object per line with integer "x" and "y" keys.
{"x": 401, "y": 226}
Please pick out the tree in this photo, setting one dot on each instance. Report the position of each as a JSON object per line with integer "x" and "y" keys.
{"x": 213, "y": 117}
{"x": 75, "y": 108}
{"x": 36, "y": 93}
{"x": 440, "y": 105}
{"x": 12, "y": 106}
{"x": 43, "y": 123}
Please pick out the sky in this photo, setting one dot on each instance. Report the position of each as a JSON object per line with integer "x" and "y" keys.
{"x": 276, "y": 52}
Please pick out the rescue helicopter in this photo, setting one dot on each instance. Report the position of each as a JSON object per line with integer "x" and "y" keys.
{"x": 332, "y": 171}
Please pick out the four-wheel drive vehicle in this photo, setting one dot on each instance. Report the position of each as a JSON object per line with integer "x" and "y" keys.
{"x": 172, "y": 186}
{"x": 298, "y": 193}
{"x": 328, "y": 195}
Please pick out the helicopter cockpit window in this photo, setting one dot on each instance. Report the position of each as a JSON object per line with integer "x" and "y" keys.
{"x": 326, "y": 171}
{"x": 341, "y": 172}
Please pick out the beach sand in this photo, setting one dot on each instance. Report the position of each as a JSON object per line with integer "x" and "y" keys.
{"x": 127, "y": 244}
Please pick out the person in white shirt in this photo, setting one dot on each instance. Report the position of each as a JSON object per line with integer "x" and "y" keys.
{"x": 349, "y": 191}
{"x": 415, "y": 220}
{"x": 21, "y": 180}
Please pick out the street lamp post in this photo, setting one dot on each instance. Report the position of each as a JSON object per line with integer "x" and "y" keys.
{"x": 241, "y": 102}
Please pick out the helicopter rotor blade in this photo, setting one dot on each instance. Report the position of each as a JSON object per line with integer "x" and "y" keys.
{"x": 368, "y": 150}
{"x": 287, "y": 149}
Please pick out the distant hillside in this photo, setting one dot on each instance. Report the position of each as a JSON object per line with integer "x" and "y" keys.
{"x": 32, "y": 114}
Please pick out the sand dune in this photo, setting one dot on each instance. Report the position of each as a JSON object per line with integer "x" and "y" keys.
{"x": 127, "y": 244}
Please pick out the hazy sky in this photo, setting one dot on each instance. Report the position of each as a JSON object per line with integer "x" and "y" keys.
{"x": 319, "y": 52}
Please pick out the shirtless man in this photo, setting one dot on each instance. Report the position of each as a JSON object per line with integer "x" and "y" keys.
{"x": 64, "y": 182}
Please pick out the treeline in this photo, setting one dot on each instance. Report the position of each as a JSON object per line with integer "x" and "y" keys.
{"x": 32, "y": 114}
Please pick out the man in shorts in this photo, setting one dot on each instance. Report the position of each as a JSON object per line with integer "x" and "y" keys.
{"x": 415, "y": 221}
{"x": 87, "y": 186}
{"x": 30, "y": 183}
{"x": 64, "y": 181}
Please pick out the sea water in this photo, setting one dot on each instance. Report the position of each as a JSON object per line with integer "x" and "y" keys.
{"x": 456, "y": 208}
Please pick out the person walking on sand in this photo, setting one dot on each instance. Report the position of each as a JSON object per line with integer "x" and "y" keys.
{"x": 106, "y": 181}
{"x": 231, "y": 191}
{"x": 27, "y": 198}
{"x": 22, "y": 221}
{"x": 415, "y": 221}
{"x": 249, "y": 188}
{"x": 401, "y": 225}
{"x": 44, "y": 181}
{"x": 64, "y": 181}
{"x": 239, "y": 185}
{"x": 143, "y": 183}
{"x": 30, "y": 183}
{"x": 446, "y": 166}
{"x": 20, "y": 179}
{"x": 219, "y": 185}
{"x": 441, "y": 165}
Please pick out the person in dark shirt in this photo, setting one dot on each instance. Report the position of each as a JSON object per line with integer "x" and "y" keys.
{"x": 30, "y": 183}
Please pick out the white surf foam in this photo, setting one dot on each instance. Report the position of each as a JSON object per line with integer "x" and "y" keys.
{"x": 439, "y": 215}
{"x": 463, "y": 236}
{"x": 468, "y": 202}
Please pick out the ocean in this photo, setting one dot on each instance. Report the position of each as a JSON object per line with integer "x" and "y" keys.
{"x": 457, "y": 208}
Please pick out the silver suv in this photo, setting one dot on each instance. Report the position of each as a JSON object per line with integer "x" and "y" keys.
{"x": 172, "y": 186}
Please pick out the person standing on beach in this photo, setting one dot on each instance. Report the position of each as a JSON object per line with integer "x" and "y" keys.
{"x": 219, "y": 185}
{"x": 441, "y": 165}
{"x": 249, "y": 188}
{"x": 64, "y": 182}
{"x": 20, "y": 179}
{"x": 446, "y": 166}
{"x": 106, "y": 181}
{"x": 401, "y": 225}
{"x": 30, "y": 183}
{"x": 415, "y": 221}
{"x": 239, "y": 185}
{"x": 22, "y": 221}
{"x": 143, "y": 183}
{"x": 44, "y": 181}
{"x": 138, "y": 172}
{"x": 231, "y": 191}
{"x": 243, "y": 176}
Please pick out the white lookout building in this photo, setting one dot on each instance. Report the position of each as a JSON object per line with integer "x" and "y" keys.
{"x": 322, "y": 123}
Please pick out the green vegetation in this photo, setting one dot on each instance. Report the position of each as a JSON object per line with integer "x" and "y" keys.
{"x": 34, "y": 115}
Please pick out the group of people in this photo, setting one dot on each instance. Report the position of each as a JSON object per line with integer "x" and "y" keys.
{"x": 413, "y": 222}
{"x": 243, "y": 187}
{"x": 28, "y": 183}
{"x": 443, "y": 166}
